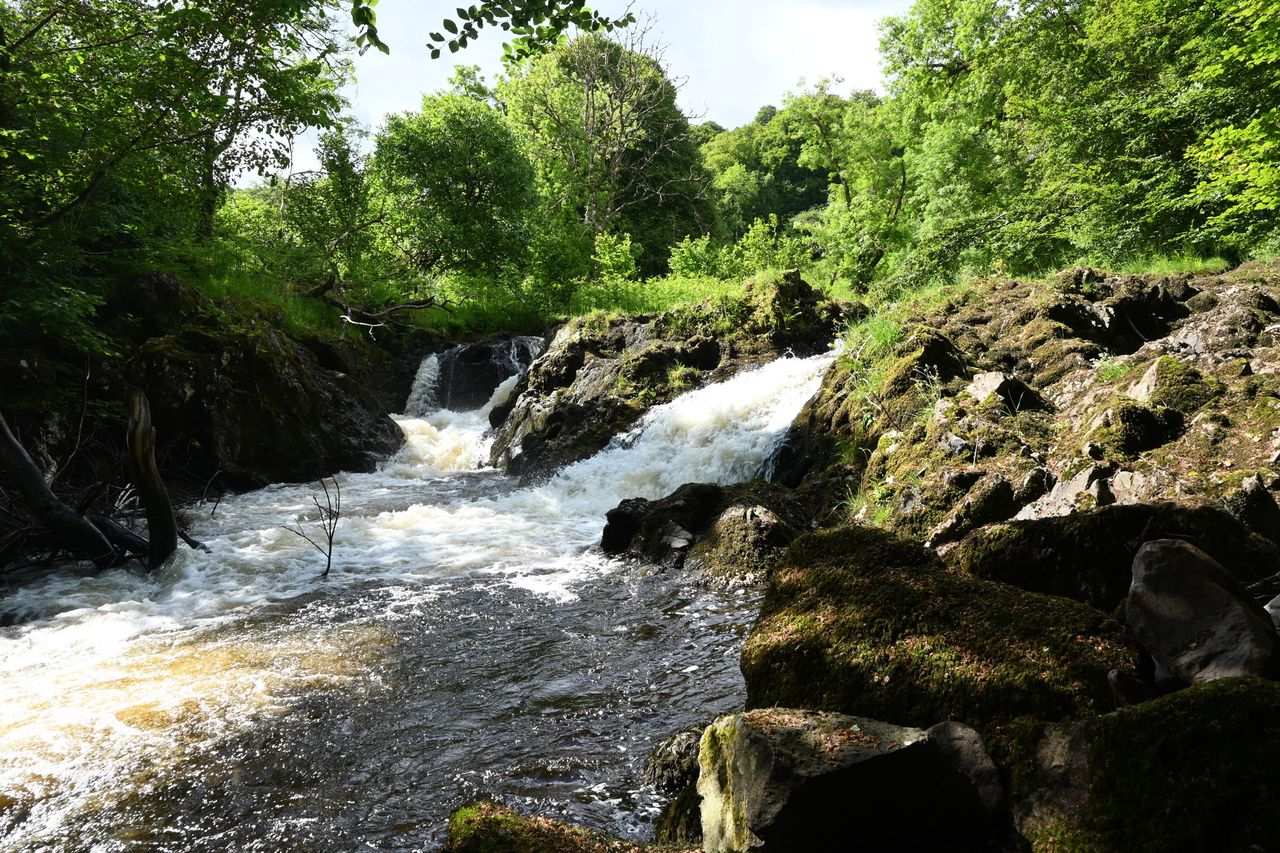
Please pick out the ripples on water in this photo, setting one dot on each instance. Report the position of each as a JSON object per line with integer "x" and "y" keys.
{"x": 469, "y": 641}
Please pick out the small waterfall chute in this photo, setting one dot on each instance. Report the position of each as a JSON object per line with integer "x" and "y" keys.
{"x": 464, "y": 378}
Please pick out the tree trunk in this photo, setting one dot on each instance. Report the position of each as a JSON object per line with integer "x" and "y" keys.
{"x": 162, "y": 525}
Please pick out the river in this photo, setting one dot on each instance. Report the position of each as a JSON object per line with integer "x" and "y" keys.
{"x": 469, "y": 641}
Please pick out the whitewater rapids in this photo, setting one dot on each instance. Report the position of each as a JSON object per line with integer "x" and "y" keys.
{"x": 469, "y": 639}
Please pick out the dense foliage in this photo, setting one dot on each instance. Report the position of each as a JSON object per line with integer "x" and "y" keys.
{"x": 1013, "y": 138}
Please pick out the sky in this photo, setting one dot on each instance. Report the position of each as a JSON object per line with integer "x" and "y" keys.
{"x": 734, "y": 56}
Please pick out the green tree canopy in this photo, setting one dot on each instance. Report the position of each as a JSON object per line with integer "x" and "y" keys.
{"x": 456, "y": 185}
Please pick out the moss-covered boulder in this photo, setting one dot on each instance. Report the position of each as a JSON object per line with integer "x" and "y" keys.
{"x": 1192, "y": 771}
{"x": 858, "y": 621}
{"x": 486, "y": 827}
{"x": 601, "y": 373}
{"x": 1174, "y": 384}
{"x": 1088, "y": 556}
{"x": 257, "y": 405}
{"x": 730, "y": 535}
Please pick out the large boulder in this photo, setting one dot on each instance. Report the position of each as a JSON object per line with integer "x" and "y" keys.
{"x": 741, "y": 545}
{"x": 259, "y": 406}
{"x": 1195, "y": 619}
{"x": 1088, "y": 556}
{"x": 859, "y": 621}
{"x": 730, "y": 535}
{"x": 1191, "y": 771}
{"x": 792, "y": 780}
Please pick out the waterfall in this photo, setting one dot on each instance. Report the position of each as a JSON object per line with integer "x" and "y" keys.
{"x": 422, "y": 396}
{"x": 463, "y": 378}
{"x": 462, "y": 618}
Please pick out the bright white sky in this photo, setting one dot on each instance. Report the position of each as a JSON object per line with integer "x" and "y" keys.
{"x": 735, "y": 55}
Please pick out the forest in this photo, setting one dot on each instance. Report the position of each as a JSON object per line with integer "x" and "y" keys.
{"x": 1012, "y": 139}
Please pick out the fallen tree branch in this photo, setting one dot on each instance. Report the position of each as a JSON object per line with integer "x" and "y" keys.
{"x": 80, "y": 535}
{"x": 162, "y": 525}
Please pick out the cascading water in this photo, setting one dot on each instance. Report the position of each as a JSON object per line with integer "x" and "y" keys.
{"x": 469, "y": 640}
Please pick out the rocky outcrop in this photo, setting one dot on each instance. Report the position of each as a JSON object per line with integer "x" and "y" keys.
{"x": 778, "y": 779}
{"x": 259, "y": 407}
{"x": 600, "y": 374}
{"x": 729, "y": 535}
{"x": 1089, "y": 390}
{"x": 1195, "y": 619}
{"x": 231, "y": 393}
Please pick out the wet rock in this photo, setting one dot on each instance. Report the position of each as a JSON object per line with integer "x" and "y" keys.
{"x": 486, "y": 827}
{"x": 858, "y": 621}
{"x": 788, "y": 780}
{"x": 672, "y": 768}
{"x": 1194, "y": 770}
{"x": 673, "y": 763}
{"x": 662, "y": 530}
{"x": 1089, "y": 556}
{"x": 730, "y": 535}
{"x": 1255, "y": 508}
{"x": 741, "y": 545}
{"x": 470, "y": 373}
{"x": 1194, "y": 618}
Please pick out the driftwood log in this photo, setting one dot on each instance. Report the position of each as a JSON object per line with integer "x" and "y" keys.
{"x": 162, "y": 524}
{"x": 96, "y": 537}
{"x": 81, "y": 536}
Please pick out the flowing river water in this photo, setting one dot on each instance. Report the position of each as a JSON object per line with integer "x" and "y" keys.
{"x": 469, "y": 641}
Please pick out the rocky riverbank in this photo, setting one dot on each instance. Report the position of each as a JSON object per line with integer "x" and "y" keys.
{"x": 1017, "y": 572}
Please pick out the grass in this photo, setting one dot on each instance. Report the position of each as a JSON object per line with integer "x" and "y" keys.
{"x": 1109, "y": 370}
{"x": 652, "y": 296}
{"x": 1172, "y": 264}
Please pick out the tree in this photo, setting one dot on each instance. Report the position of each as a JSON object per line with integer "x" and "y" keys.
{"x": 120, "y": 121}
{"x": 1239, "y": 165}
{"x": 455, "y": 184}
{"x": 612, "y": 146}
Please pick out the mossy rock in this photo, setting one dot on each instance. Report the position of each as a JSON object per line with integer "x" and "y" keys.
{"x": 859, "y": 621}
{"x": 1174, "y": 384}
{"x": 486, "y": 827}
{"x": 1132, "y": 428}
{"x": 1192, "y": 771}
{"x": 925, "y": 357}
{"x": 1088, "y": 556}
